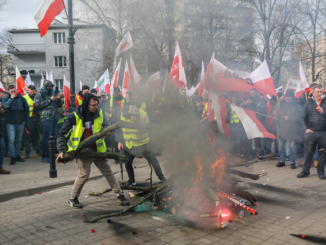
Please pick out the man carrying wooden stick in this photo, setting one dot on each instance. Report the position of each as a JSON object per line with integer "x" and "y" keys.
{"x": 136, "y": 141}
{"x": 87, "y": 120}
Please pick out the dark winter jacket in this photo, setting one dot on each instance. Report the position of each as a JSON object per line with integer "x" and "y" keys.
{"x": 48, "y": 109}
{"x": 261, "y": 108}
{"x": 17, "y": 110}
{"x": 290, "y": 129}
{"x": 312, "y": 119}
{"x": 68, "y": 124}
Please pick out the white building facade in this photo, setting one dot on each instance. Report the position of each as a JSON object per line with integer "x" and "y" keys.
{"x": 38, "y": 55}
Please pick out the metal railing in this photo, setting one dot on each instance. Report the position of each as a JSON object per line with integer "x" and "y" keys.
{"x": 40, "y": 47}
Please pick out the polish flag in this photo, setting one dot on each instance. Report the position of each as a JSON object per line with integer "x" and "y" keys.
{"x": 46, "y": 13}
{"x": 253, "y": 127}
{"x": 80, "y": 85}
{"x": 201, "y": 90}
{"x": 154, "y": 81}
{"x": 220, "y": 79}
{"x": 51, "y": 77}
{"x": 178, "y": 71}
{"x": 303, "y": 84}
{"x": 115, "y": 78}
{"x": 126, "y": 86}
{"x": 134, "y": 74}
{"x": 219, "y": 106}
{"x": 66, "y": 92}
{"x": 125, "y": 44}
{"x": 1, "y": 86}
{"x": 96, "y": 87}
{"x": 20, "y": 83}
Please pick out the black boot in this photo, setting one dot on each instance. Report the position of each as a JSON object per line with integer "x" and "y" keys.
{"x": 19, "y": 159}
{"x": 303, "y": 174}
{"x": 280, "y": 164}
{"x": 13, "y": 161}
{"x": 321, "y": 176}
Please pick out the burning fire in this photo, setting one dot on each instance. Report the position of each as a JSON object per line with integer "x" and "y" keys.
{"x": 219, "y": 166}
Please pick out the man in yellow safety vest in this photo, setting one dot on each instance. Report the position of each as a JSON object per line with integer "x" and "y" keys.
{"x": 80, "y": 95}
{"x": 136, "y": 142}
{"x": 33, "y": 125}
{"x": 87, "y": 120}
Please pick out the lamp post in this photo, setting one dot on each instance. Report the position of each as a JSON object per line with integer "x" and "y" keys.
{"x": 71, "y": 42}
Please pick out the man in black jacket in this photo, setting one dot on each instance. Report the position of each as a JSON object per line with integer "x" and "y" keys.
{"x": 313, "y": 121}
{"x": 87, "y": 120}
{"x": 16, "y": 116}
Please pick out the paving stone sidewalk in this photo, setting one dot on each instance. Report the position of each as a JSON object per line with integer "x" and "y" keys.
{"x": 286, "y": 205}
{"x": 32, "y": 176}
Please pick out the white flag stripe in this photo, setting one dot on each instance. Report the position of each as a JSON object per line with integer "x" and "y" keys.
{"x": 217, "y": 109}
{"x": 249, "y": 125}
{"x": 42, "y": 10}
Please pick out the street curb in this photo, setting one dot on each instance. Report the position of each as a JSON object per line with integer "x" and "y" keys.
{"x": 36, "y": 190}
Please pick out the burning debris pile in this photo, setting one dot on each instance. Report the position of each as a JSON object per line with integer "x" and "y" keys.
{"x": 201, "y": 186}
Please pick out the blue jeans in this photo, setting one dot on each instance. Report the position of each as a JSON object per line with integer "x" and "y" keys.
{"x": 49, "y": 129}
{"x": 281, "y": 149}
{"x": 2, "y": 150}
{"x": 15, "y": 135}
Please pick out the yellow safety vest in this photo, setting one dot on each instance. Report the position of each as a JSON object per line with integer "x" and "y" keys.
{"x": 134, "y": 137}
{"x": 30, "y": 103}
{"x": 123, "y": 101}
{"x": 234, "y": 117}
{"x": 143, "y": 107}
{"x": 78, "y": 130}
{"x": 204, "y": 111}
{"x": 63, "y": 119}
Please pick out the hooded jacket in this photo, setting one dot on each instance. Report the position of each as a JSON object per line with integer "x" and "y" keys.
{"x": 17, "y": 110}
{"x": 84, "y": 115}
{"x": 289, "y": 129}
{"x": 48, "y": 109}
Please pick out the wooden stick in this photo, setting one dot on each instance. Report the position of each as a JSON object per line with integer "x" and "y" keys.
{"x": 286, "y": 86}
{"x": 278, "y": 101}
{"x": 203, "y": 119}
{"x": 264, "y": 115}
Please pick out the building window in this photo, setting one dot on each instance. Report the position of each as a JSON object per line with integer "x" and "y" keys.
{"x": 59, "y": 37}
{"x": 60, "y": 61}
{"x": 59, "y": 83}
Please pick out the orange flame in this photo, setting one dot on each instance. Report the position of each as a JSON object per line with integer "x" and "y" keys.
{"x": 218, "y": 167}
{"x": 210, "y": 136}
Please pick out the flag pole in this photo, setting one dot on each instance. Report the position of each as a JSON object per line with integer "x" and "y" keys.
{"x": 287, "y": 86}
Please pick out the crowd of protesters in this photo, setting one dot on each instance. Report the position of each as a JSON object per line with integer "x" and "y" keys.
{"x": 298, "y": 123}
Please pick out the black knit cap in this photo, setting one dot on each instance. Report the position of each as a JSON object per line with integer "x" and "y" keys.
{"x": 289, "y": 93}
{"x": 85, "y": 87}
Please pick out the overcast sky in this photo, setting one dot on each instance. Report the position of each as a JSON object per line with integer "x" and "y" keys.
{"x": 19, "y": 13}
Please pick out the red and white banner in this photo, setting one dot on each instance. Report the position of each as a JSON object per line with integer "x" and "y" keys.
{"x": 178, "y": 71}
{"x": 66, "y": 92}
{"x": 253, "y": 127}
{"x": 154, "y": 81}
{"x": 126, "y": 86}
{"x": 115, "y": 78}
{"x": 219, "y": 106}
{"x": 20, "y": 83}
{"x": 125, "y": 44}
{"x": 46, "y": 13}
{"x": 134, "y": 74}
{"x": 201, "y": 89}
{"x": 220, "y": 79}
{"x": 303, "y": 84}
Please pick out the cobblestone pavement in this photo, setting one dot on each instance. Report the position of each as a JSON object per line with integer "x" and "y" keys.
{"x": 286, "y": 205}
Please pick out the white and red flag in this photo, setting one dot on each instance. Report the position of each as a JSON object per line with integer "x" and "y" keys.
{"x": 1, "y": 86}
{"x": 80, "y": 85}
{"x": 96, "y": 87}
{"x": 115, "y": 77}
{"x": 104, "y": 83}
{"x": 252, "y": 126}
{"x": 42, "y": 80}
{"x": 220, "y": 79}
{"x": 126, "y": 86}
{"x": 125, "y": 44}
{"x": 219, "y": 106}
{"x": 28, "y": 81}
{"x": 66, "y": 92}
{"x": 20, "y": 83}
{"x": 201, "y": 90}
{"x": 134, "y": 74}
{"x": 303, "y": 84}
{"x": 154, "y": 81}
{"x": 178, "y": 71}
{"x": 46, "y": 13}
